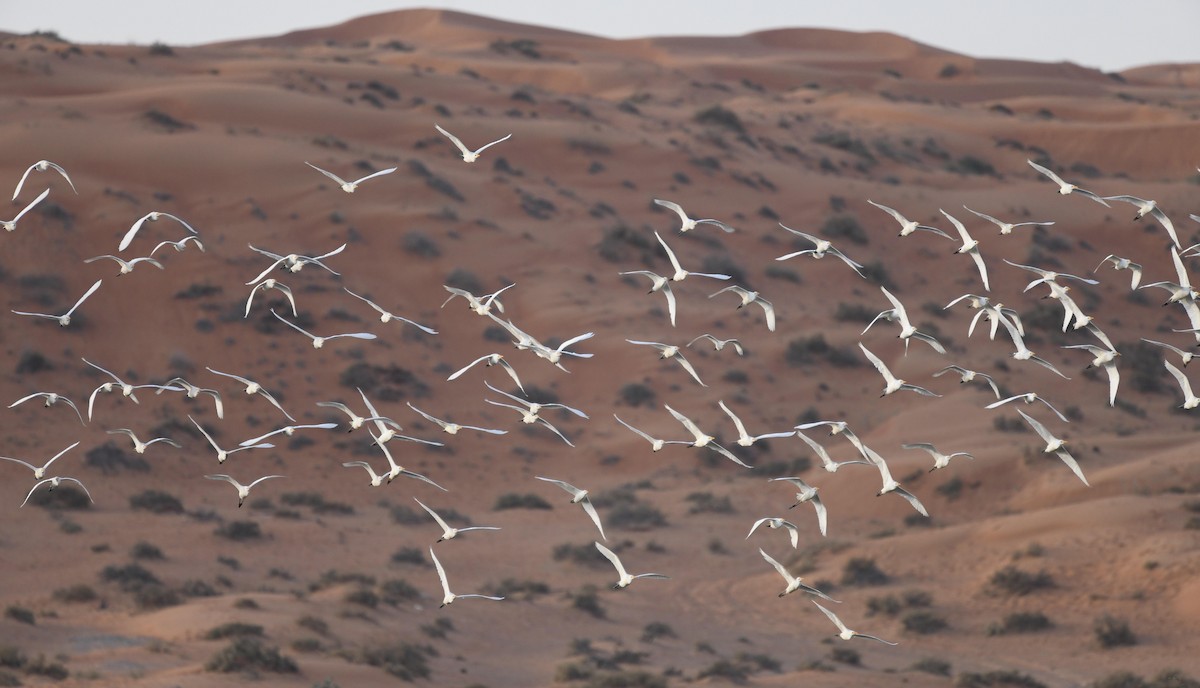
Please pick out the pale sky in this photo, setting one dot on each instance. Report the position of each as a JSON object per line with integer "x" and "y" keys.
{"x": 1094, "y": 33}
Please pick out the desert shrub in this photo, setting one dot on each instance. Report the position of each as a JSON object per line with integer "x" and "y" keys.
{"x": 233, "y": 629}
{"x": 586, "y": 600}
{"x": 75, "y": 593}
{"x": 635, "y": 516}
{"x": 720, "y": 117}
{"x": 863, "y": 571}
{"x": 1014, "y": 581}
{"x": 248, "y": 654}
{"x": 239, "y": 531}
{"x": 145, "y": 551}
{"x": 1113, "y": 632}
{"x": 405, "y": 661}
{"x": 844, "y": 226}
{"x": 43, "y": 667}
{"x": 845, "y": 655}
{"x": 7, "y": 679}
{"x": 932, "y": 665}
{"x": 888, "y": 605}
{"x": 20, "y": 615}
{"x": 512, "y": 500}
{"x": 579, "y": 554}
{"x": 513, "y": 588}
{"x": 637, "y": 394}
{"x": 969, "y": 164}
{"x": 409, "y": 555}
{"x": 951, "y": 489}
{"x": 384, "y": 383}
{"x": 362, "y": 596}
{"x": 194, "y": 587}
{"x": 923, "y": 621}
{"x": 420, "y": 244}
{"x": 396, "y": 590}
{"x": 129, "y": 577}
{"x": 156, "y": 502}
{"x": 997, "y": 678}
{"x": 111, "y": 459}
{"x": 334, "y": 577}
{"x": 156, "y": 596}
{"x": 62, "y": 498}
{"x": 844, "y": 141}
{"x": 161, "y": 49}
{"x": 314, "y": 624}
{"x": 439, "y": 628}
{"x": 165, "y": 121}
{"x": 707, "y": 502}
{"x": 11, "y": 657}
{"x": 655, "y": 630}
{"x": 1021, "y": 622}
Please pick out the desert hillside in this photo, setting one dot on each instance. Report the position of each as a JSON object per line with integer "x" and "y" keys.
{"x": 1021, "y": 574}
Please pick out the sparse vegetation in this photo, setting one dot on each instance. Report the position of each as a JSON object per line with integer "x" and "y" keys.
{"x": 20, "y": 615}
{"x": 156, "y": 502}
{"x": 707, "y": 502}
{"x": 248, "y": 654}
{"x": 586, "y": 600}
{"x": 863, "y": 571}
{"x": 75, "y": 593}
{"x": 1014, "y": 581}
{"x": 239, "y": 531}
{"x": 719, "y": 116}
{"x": 1021, "y": 622}
{"x": 1113, "y": 632}
{"x": 512, "y": 500}
{"x": 994, "y": 679}
{"x": 233, "y": 629}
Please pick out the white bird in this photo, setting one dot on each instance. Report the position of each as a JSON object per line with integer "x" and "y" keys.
{"x": 51, "y": 399}
{"x": 1065, "y": 188}
{"x": 534, "y": 407}
{"x": 453, "y": 428}
{"x": 680, "y": 274}
{"x": 469, "y": 155}
{"x": 889, "y": 315}
{"x": 357, "y": 421}
{"x": 775, "y": 522}
{"x": 376, "y": 479}
{"x": 658, "y": 283}
{"x": 294, "y": 262}
{"x": 252, "y": 387}
{"x": 827, "y": 461}
{"x": 794, "y": 583}
{"x": 126, "y": 265}
{"x": 704, "y": 440}
{"x": 1181, "y": 290}
{"x": 153, "y": 216}
{"x": 1119, "y": 263}
{"x": 821, "y": 248}
{"x": 1186, "y": 356}
{"x": 745, "y": 439}
{"x": 449, "y": 533}
{"x": 1145, "y": 207}
{"x": 529, "y": 417}
{"x": 289, "y": 431}
{"x": 689, "y": 223}
{"x": 1106, "y": 359}
{"x": 1023, "y": 353}
{"x": 1046, "y": 275}
{"x": 395, "y": 470}
{"x": 65, "y": 318}
{"x": 480, "y": 305}
{"x": 11, "y": 225}
{"x": 893, "y": 383}
{"x": 554, "y": 355}
{"x": 1055, "y": 446}
{"x": 350, "y": 187}
{"x": 449, "y": 597}
{"x": 140, "y": 446}
{"x": 748, "y": 297}
{"x": 242, "y": 490}
{"x": 655, "y": 443}
{"x": 807, "y": 493}
{"x": 492, "y": 359}
{"x": 970, "y": 246}
{"x": 385, "y": 316}
{"x": 1190, "y": 400}
{"x": 720, "y": 344}
{"x": 624, "y": 579}
{"x": 967, "y": 375}
{"x": 890, "y": 484}
{"x": 1071, "y": 310}
{"x": 845, "y": 633}
{"x": 272, "y": 283}
{"x": 42, "y": 166}
{"x": 671, "y": 351}
{"x": 223, "y": 454}
{"x": 126, "y": 388}
{"x": 55, "y": 482}
{"x": 579, "y": 497}
{"x": 907, "y": 331}
{"x": 179, "y": 245}
{"x": 994, "y": 313}
{"x": 1008, "y": 227}
{"x": 39, "y": 472}
{"x": 318, "y": 342}
{"x": 940, "y": 460}
{"x": 907, "y": 226}
{"x": 1029, "y": 398}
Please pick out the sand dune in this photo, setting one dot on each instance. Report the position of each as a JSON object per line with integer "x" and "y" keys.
{"x": 799, "y": 126}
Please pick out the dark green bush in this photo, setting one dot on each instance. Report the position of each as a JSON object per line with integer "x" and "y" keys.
{"x": 1014, "y": 581}
{"x": 1113, "y": 632}
{"x": 247, "y": 654}
{"x": 233, "y": 629}
{"x": 156, "y": 502}
{"x": 863, "y": 571}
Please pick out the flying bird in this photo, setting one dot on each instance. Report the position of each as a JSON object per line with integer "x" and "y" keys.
{"x": 893, "y": 383}
{"x": 807, "y": 493}
{"x": 704, "y": 440}
{"x": 890, "y": 484}
{"x": 1145, "y": 207}
{"x": 42, "y": 166}
{"x": 55, "y": 482}
{"x": 65, "y": 318}
{"x": 1054, "y": 446}
{"x": 39, "y": 472}
{"x": 385, "y": 316}
{"x": 907, "y": 331}
{"x": 318, "y": 342}
{"x": 242, "y": 490}
{"x": 689, "y": 223}
{"x": 794, "y": 583}
{"x": 671, "y": 351}
{"x": 940, "y": 460}
{"x": 153, "y": 216}
{"x": 492, "y": 359}
{"x": 969, "y": 246}
{"x": 272, "y": 283}
{"x": 1007, "y": 227}
{"x": 480, "y": 305}
{"x": 449, "y": 597}
{"x": 11, "y": 225}
{"x": 680, "y": 274}
{"x": 623, "y": 577}
{"x": 967, "y": 375}
{"x": 140, "y": 446}
{"x": 745, "y": 439}
{"x": 252, "y": 387}
{"x": 1119, "y": 263}
{"x": 845, "y": 633}
{"x": 350, "y": 187}
{"x": 1065, "y": 188}
{"x": 469, "y": 155}
{"x": 775, "y": 522}
{"x": 449, "y": 533}
{"x": 827, "y": 461}
{"x": 655, "y": 443}
{"x": 658, "y": 283}
{"x": 1029, "y": 398}
{"x": 126, "y": 266}
{"x": 51, "y": 399}
{"x": 223, "y": 454}
{"x": 748, "y": 297}
{"x": 579, "y": 497}
{"x": 720, "y": 344}
{"x": 1190, "y": 400}
{"x": 907, "y": 226}
{"x": 820, "y": 249}
{"x": 453, "y": 428}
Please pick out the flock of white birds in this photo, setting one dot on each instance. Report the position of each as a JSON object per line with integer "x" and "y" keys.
{"x": 384, "y": 429}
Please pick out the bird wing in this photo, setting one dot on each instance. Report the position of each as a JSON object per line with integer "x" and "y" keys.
{"x": 778, "y": 567}
{"x": 982, "y": 268}
{"x": 547, "y": 423}
{"x": 369, "y": 302}
{"x": 511, "y": 373}
{"x": 987, "y": 217}
{"x": 1114, "y": 380}
{"x": 673, "y": 207}
{"x": 441, "y": 571}
{"x": 1037, "y": 427}
{"x": 265, "y": 477}
{"x": 579, "y": 338}
{"x": 727, "y": 454}
{"x": 1072, "y": 464}
{"x": 928, "y": 339}
{"x": 720, "y": 225}
{"x": 890, "y": 211}
{"x": 456, "y": 374}
{"x": 445, "y": 526}
{"x": 267, "y": 395}
{"x": 822, "y": 513}
{"x": 334, "y": 177}
{"x": 1175, "y": 372}
{"x": 897, "y": 306}
{"x": 820, "y": 451}
{"x": 757, "y": 523}
{"x": 687, "y": 423}
{"x": 128, "y": 238}
{"x": 355, "y": 335}
{"x": 455, "y": 140}
{"x": 883, "y": 370}
{"x": 380, "y": 173}
{"x": 666, "y": 290}
{"x": 768, "y": 312}
{"x": 670, "y": 253}
{"x": 568, "y": 487}
{"x": 517, "y": 399}
{"x": 483, "y": 148}
{"x": 612, "y": 557}
{"x": 832, "y": 617}
{"x": 25, "y": 463}
{"x": 688, "y": 367}
{"x": 1053, "y": 177}
{"x": 736, "y": 421}
{"x": 639, "y": 433}
{"x": 29, "y": 207}
{"x": 91, "y": 290}
{"x": 79, "y": 482}
{"x": 1166, "y": 223}
{"x": 206, "y": 435}
{"x": 427, "y": 417}
{"x": 962, "y": 231}
{"x": 912, "y": 499}
{"x": 293, "y": 325}
{"x": 16, "y": 193}
{"x": 590, "y": 510}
